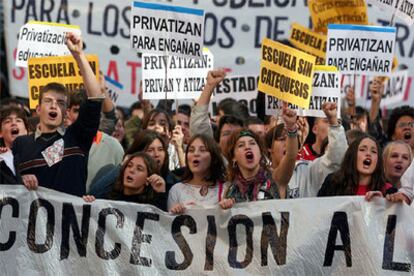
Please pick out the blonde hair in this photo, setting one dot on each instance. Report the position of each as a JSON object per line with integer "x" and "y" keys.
{"x": 390, "y": 145}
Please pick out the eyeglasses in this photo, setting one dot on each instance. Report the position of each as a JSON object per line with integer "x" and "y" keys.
{"x": 406, "y": 124}
{"x": 50, "y": 101}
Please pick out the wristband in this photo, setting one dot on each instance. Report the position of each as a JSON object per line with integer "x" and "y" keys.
{"x": 292, "y": 133}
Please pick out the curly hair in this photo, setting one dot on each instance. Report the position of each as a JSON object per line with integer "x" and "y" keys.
{"x": 396, "y": 114}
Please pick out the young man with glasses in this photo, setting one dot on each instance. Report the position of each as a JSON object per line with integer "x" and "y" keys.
{"x": 55, "y": 157}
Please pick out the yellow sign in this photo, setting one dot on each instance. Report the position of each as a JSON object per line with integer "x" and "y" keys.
{"x": 324, "y": 12}
{"x": 309, "y": 42}
{"x": 62, "y": 69}
{"x": 286, "y": 73}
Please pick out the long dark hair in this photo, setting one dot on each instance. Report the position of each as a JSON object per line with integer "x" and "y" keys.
{"x": 231, "y": 145}
{"x": 152, "y": 168}
{"x": 346, "y": 180}
{"x": 217, "y": 168}
{"x": 143, "y": 140}
{"x": 148, "y": 117}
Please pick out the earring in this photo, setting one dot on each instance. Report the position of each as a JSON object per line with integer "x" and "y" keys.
{"x": 234, "y": 164}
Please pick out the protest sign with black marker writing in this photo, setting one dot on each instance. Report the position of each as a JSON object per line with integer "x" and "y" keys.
{"x": 167, "y": 30}
{"x": 185, "y": 76}
{"x": 63, "y": 70}
{"x": 356, "y": 49}
{"x": 286, "y": 73}
{"x": 241, "y": 88}
{"x": 42, "y": 39}
{"x": 325, "y": 88}
{"x": 308, "y": 41}
{"x": 325, "y": 12}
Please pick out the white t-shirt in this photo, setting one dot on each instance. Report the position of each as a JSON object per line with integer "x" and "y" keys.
{"x": 190, "y": 196}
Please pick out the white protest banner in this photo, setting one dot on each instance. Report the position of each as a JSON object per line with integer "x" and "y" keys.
{"x": 185, "y": 76}
{"x": 42, "y": 39}
{"x": 325, "y": 88}
{"x": 241, "y": 88}
{"x": 46, "y": 232}
{"x": 356, "y": 49}
{"x": 233, "y": 32}
{"x": 167, "y": 30}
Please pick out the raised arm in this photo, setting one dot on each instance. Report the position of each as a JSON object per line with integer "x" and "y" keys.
{"x": 200, "y": 122}
{"x": 283, "y": 172}
{"x": 75, "y": 45}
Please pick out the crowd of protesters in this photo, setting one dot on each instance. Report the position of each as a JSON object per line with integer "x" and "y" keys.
{"x": 80, "y": 143}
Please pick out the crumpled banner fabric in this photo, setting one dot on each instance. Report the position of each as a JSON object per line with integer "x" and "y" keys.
{"x": 51, "y": 233}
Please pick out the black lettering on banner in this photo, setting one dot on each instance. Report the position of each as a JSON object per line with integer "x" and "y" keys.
{"x": 100, "y": 233}
{"x": 339, "y": 223}
{"x": 278, "y": 243}
{"x": 15, "y": 213}
{"x": 106, "y": 20}
{"x": 89, "y": 22}
{"x": 272, "y": 29}
{"x": 170, "y": 261}
{"x": 210, "y": 243}
{"x": 387, "y": 262}
{"x": 233, "y": 245}
{"x": 139, "y": 238}
{"x": 227, "y": 32}
{"x": 69, "y": 221}
{"x": 50, "y": 226}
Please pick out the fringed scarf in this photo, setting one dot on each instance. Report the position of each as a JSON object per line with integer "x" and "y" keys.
{"x": 249, "y": 188}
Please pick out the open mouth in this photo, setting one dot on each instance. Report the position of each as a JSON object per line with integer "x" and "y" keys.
{"x": 367, "y": 162}
{"x": 53, "y": 115}
{"x": 196, "y": 162}
{"x": 249, "y": 156}
{"x": 407, "y": 136}
{"x": 15, "y": 131}
{"x": 129, "y": 179}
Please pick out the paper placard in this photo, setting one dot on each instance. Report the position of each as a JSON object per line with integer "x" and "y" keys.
{"x": 42, "y": 39}
{"x": 286, "y": 73}
{"x": 63, "y": 70}
{"x": 185, "y": 77}
{"x": 325, "y": 12}
{"x": 167, "y": 30}
{"x": 308, "y": 41}
{"x": 356, "y": 49}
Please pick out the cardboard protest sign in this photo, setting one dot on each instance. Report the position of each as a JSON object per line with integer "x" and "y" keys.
{"x": 404, "y": 9}
{"x": 41, "y": 39}
{"x": 286, "y": 73}
{"x": 62, "y": 70}
{"x": 241, "y": 88}
{"x": 308, "y": 41}
{"x": 324, "y": 12}
{"x": 185, "y": 76}
{"x": 325, "y": 88}
{"x": 355, "y": 49}
{"x": 167, "y": 30}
